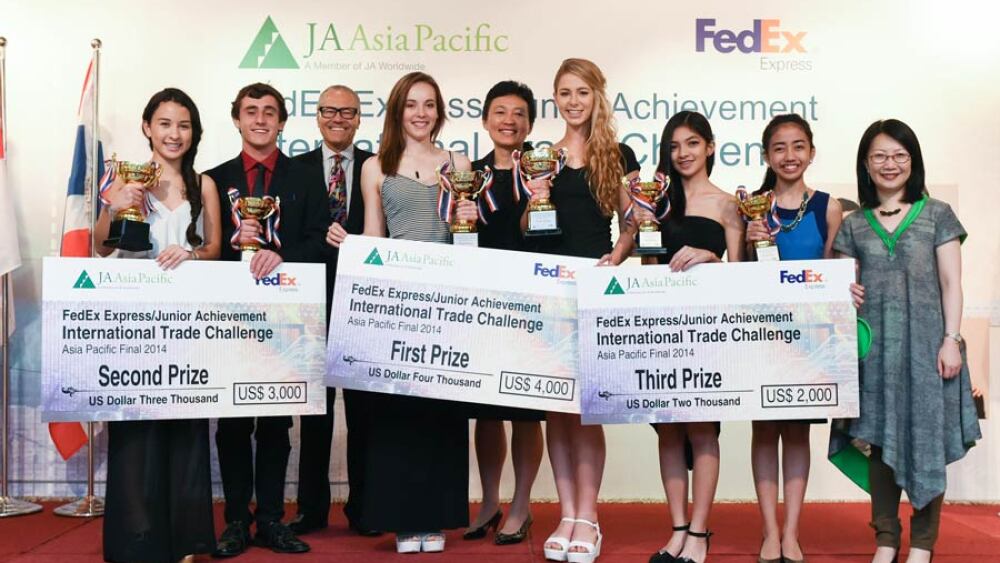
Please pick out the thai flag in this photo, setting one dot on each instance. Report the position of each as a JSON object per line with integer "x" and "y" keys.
{"x": 77, "y": 237}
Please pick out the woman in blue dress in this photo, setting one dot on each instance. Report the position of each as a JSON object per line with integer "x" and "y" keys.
{"x": 809, "y": 220}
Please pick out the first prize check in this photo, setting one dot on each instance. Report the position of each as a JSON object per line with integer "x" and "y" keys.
{"x": 457, "y": 323}
{"x": 741, "y": 341}
{"x": 125, "y": 340}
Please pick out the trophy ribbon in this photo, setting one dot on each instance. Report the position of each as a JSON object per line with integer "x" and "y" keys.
{"x": 639, "y": 199}
{"x": 271, "y": 223}
{"x": 486, "y": 199}
{"x": 521, "y": 180}
{"x": 445, "y": 199}
{"x": 773, "y": 221}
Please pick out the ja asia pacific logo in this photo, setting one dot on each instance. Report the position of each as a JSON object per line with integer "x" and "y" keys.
{"x": 647, "y": 284}
{"x": 779, "y": 48}
{"x": 614, "y": 288}
{"x": 374, "y": 259}
{"x": 121, "y": 280}
{"x": 404, "y": 259}
{"x": 269, "y": 48}
{"x": 84, "y": 281}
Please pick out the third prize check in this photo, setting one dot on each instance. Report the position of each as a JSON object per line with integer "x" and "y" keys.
{"x": 740, "y": 341}
{"x": 457, "y": 323}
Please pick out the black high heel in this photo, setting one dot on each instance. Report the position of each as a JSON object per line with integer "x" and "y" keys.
{"x": 517, "y": 537}
{"x": 666, "y": 556}
{"x": 480, "y": 532}
{"x": 706, "y": 535}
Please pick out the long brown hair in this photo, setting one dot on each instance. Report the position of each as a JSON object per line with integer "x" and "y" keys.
{"x": 393, "y": 139}
{"x": 603, "y": 159}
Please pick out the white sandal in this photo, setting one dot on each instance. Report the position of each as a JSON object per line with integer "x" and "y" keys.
{"x": 408, "y": 543}
{"x": 558, "y": 554}
{"x": 432, "y": 546}
{"x": 593, "y": 550}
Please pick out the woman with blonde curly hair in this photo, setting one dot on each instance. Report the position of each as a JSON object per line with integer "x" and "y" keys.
{"x": 586, "y": 193}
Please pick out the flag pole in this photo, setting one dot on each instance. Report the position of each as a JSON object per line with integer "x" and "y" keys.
{"x": 9, "y": 506}
{"x": 90, "y": 506}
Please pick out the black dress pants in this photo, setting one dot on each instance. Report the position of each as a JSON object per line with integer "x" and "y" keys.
{"x": 244, "y": 473}
{"x": 315, "y": 441}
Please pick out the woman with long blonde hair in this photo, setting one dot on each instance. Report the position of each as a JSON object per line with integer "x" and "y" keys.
{"x": 587, "y": 192}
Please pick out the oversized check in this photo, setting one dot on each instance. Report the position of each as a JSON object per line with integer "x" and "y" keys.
{"x": 742, "y": 341}
{"x": 125, "y": 340}
{"x": 454, "y": 322}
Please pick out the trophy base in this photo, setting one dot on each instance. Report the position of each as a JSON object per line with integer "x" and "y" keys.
{"x": 767, "y": 253}
{"x": 10, "y": 506}
{"x": 465, "y": 239}
{"x": 542, "y": 220}
{"x": 542, "y": 233}
{"x": 247, "y": 255}
{"x": 86, "y": 507}
{"x": 132, "y": 236}
{"x": 650, "y": 251}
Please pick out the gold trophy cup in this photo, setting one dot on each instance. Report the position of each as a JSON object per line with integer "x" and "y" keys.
{"x": 755, "y": 208}
{"x": 465, "y": 185}
{"x": 129, "y": 230}
{"x": 259, "y": 208}
{"x": 535, "y": 164}
{"x": 652, "y": 193}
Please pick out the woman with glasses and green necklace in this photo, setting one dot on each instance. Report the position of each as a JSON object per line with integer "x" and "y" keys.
{"x": 803, "y": 228}
{"x": 917, "y": 411}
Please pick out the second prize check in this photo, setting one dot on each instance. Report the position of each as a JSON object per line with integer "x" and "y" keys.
{"x": 742, "y": 341}
{"x": 457, "y": 323}
{"x": 125, "y": 340}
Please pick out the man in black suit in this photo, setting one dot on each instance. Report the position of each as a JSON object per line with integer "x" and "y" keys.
{"x": 261, "y": 169}
{"x": 336, "y": 167}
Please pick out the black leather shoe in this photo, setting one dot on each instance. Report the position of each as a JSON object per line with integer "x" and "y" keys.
{"x": 279, "y": 538}
{"x": 478, "y": 533}
{"x": 234, "y": 540}
{"x": 302, "y": 524}
{"x": 365, "y": 532}
{"x": 517, "y": 537}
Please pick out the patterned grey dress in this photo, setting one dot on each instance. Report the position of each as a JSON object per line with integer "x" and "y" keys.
{"x": 921, "y": 421}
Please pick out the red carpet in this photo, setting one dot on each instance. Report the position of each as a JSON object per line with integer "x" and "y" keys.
{"x": 830, "y": 533}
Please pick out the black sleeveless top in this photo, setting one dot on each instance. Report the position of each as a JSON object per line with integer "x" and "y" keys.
{"x": 503, "y": 227}
{"x": 695, "y": 231}
{"x": 586, "y": 232}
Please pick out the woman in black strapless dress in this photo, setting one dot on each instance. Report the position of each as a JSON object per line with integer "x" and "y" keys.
{"x": 703, "y": 226}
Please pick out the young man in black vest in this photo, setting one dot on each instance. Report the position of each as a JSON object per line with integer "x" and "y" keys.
{"x": 336, "y": 167}
{"x": 261, "y": 169}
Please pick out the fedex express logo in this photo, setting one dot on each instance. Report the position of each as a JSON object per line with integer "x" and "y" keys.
{"x": 559, "y": 272}
{"x": 805, "y": 276}
{"x": 764, "y": 37}
{"x": 278, "y": 280}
